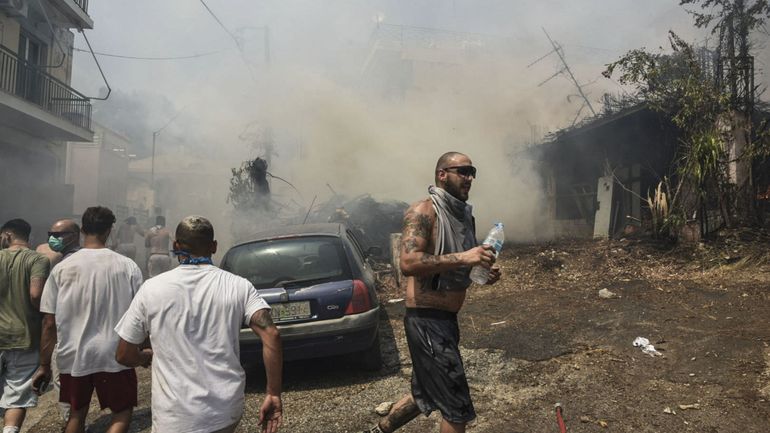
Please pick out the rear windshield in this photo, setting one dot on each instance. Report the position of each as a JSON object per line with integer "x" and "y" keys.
{"x": 283, "y": 261}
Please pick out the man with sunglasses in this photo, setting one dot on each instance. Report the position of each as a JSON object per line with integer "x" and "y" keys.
{"x": 83, "y": 299}
{"x": 63, "y": 241}
{"x": 438, "y": 250}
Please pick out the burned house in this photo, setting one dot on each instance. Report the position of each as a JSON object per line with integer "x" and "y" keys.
{"x": 597, "y": 174}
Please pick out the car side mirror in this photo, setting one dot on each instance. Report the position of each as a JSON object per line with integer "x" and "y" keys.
{"x": 374, "y": 252}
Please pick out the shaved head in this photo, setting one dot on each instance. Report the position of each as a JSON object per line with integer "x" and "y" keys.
{"x": 70, "y": 234}
{"x": 65, "y": 225}
{"x": 195, "y": 234}
{"x": 447, "y": 159}
{"x": 448, "y": 177}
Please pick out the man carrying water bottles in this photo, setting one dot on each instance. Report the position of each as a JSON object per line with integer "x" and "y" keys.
{"x": 438, "y": 250}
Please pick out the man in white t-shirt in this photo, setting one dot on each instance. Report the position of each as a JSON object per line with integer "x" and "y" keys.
{"x": 83, "y": 299}
{"x": 193, "y": 315}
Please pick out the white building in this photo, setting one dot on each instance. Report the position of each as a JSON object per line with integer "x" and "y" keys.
{"x": 39, "y": 111}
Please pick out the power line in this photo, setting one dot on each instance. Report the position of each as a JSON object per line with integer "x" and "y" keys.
{"x": 120, "y": 56}
{"x": 221, "y": 24}
{"x": 234, "y": 38}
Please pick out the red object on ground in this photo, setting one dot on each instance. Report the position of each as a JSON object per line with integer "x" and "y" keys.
{"x": 560, "y": 420}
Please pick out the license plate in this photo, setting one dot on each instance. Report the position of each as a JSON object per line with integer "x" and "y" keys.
{"x": 290, "y": 311}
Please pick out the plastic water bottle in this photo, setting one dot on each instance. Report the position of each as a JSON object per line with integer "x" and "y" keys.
{"x": 495, "y": 238}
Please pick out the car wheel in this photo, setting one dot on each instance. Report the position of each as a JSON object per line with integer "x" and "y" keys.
{"x": 371, "y": 358}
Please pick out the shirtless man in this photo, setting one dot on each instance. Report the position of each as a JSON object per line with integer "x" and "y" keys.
{"x": 438, "y": 250}
{"x": 125, "y": 237}
{"x": 157, "y": 240}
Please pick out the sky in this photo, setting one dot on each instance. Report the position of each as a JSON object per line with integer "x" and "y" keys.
{"x": 311, "y": 97}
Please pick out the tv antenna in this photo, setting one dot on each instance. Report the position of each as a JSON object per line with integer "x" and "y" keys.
{"x": 557, "y": 48}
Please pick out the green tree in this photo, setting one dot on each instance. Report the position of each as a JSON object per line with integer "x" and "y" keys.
{"x": 677, "y": 85}
{"x": 703, "y": 102}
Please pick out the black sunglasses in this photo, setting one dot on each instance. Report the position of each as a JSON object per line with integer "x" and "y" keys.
{"x": 58, "y": 234}
{"x": 463, "y": 170}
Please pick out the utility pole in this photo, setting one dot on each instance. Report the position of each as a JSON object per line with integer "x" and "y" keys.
{"x": 557, "y": 48}
{"x": 155, "y": 135}
{"x": 267, "y": 45}
{"x": 152, "y": 168}
{"x": 243, "y": 37}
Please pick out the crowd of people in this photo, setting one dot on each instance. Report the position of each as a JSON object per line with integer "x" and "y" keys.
{"x": 81, "y": 316}
{"x": 73, "y": 316}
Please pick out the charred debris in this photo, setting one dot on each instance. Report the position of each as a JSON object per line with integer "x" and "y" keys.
{"x": 256, "y": 208}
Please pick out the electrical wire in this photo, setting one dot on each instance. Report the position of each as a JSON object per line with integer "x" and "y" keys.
{"x": 121, "y": 56}
{"x": 221, "y": 24}
{"x": 234, "y": 38}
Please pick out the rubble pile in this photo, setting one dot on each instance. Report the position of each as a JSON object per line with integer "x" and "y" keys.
{"x": 373, "y": 220}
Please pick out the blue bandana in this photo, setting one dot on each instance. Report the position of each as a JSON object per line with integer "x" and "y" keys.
{"x": 186, "y": 259}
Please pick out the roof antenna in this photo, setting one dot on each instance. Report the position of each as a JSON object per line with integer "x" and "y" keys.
{"x": 557, "y": 48}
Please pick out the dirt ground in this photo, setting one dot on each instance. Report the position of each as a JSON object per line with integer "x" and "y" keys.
{"x": 544, "y": 335}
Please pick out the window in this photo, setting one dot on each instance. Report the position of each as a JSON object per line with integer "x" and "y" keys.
{"x": 32, "y": 54}
{"x": 281, "y": 262}
{"x": 31, "y": 50}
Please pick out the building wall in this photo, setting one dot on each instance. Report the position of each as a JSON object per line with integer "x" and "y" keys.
{"x": 113, "y": 178}
{"x": 9, "y": 32}
{"x": 32, "y": 168}
{"x": 58, "y": 45}
{"x": 99, "y": 171}
{"x": 82, "y": 174}
{"x": 31, "y": 181}
{"x": 64, "y": 72}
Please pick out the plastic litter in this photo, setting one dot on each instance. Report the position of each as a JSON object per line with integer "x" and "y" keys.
{"x": 607, "y": 294}
{"x": 646, "y": 346}
{"x": 383, "y": 408}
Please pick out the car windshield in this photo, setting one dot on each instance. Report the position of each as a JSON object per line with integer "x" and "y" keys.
{"x": 280, "y": 262}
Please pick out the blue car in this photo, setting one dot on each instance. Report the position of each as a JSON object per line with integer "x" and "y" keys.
{"x": 321, "y": 290}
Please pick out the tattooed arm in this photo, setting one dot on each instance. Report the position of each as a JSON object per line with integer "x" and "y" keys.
{"x": 271, "y": 411}
{"x": 416, "y": 239}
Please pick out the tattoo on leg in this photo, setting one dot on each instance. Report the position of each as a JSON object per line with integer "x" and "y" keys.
{"x": 402, "y": 413}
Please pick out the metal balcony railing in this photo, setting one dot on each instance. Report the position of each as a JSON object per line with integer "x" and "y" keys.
{"x": 83, "y": 5}
{"x": 28, "y": 82}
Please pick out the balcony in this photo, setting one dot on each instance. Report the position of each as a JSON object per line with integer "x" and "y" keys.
{"x": 39, "y": 104}
{"x": 76, "y": 12}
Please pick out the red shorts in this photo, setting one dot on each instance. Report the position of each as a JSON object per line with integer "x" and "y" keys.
{"x": 116, "y": 391}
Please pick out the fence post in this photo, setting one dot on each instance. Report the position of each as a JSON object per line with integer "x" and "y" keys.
{"x": 395, "y": 257}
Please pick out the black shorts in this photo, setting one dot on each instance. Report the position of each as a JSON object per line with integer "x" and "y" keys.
{"x": 438, "y": 377}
